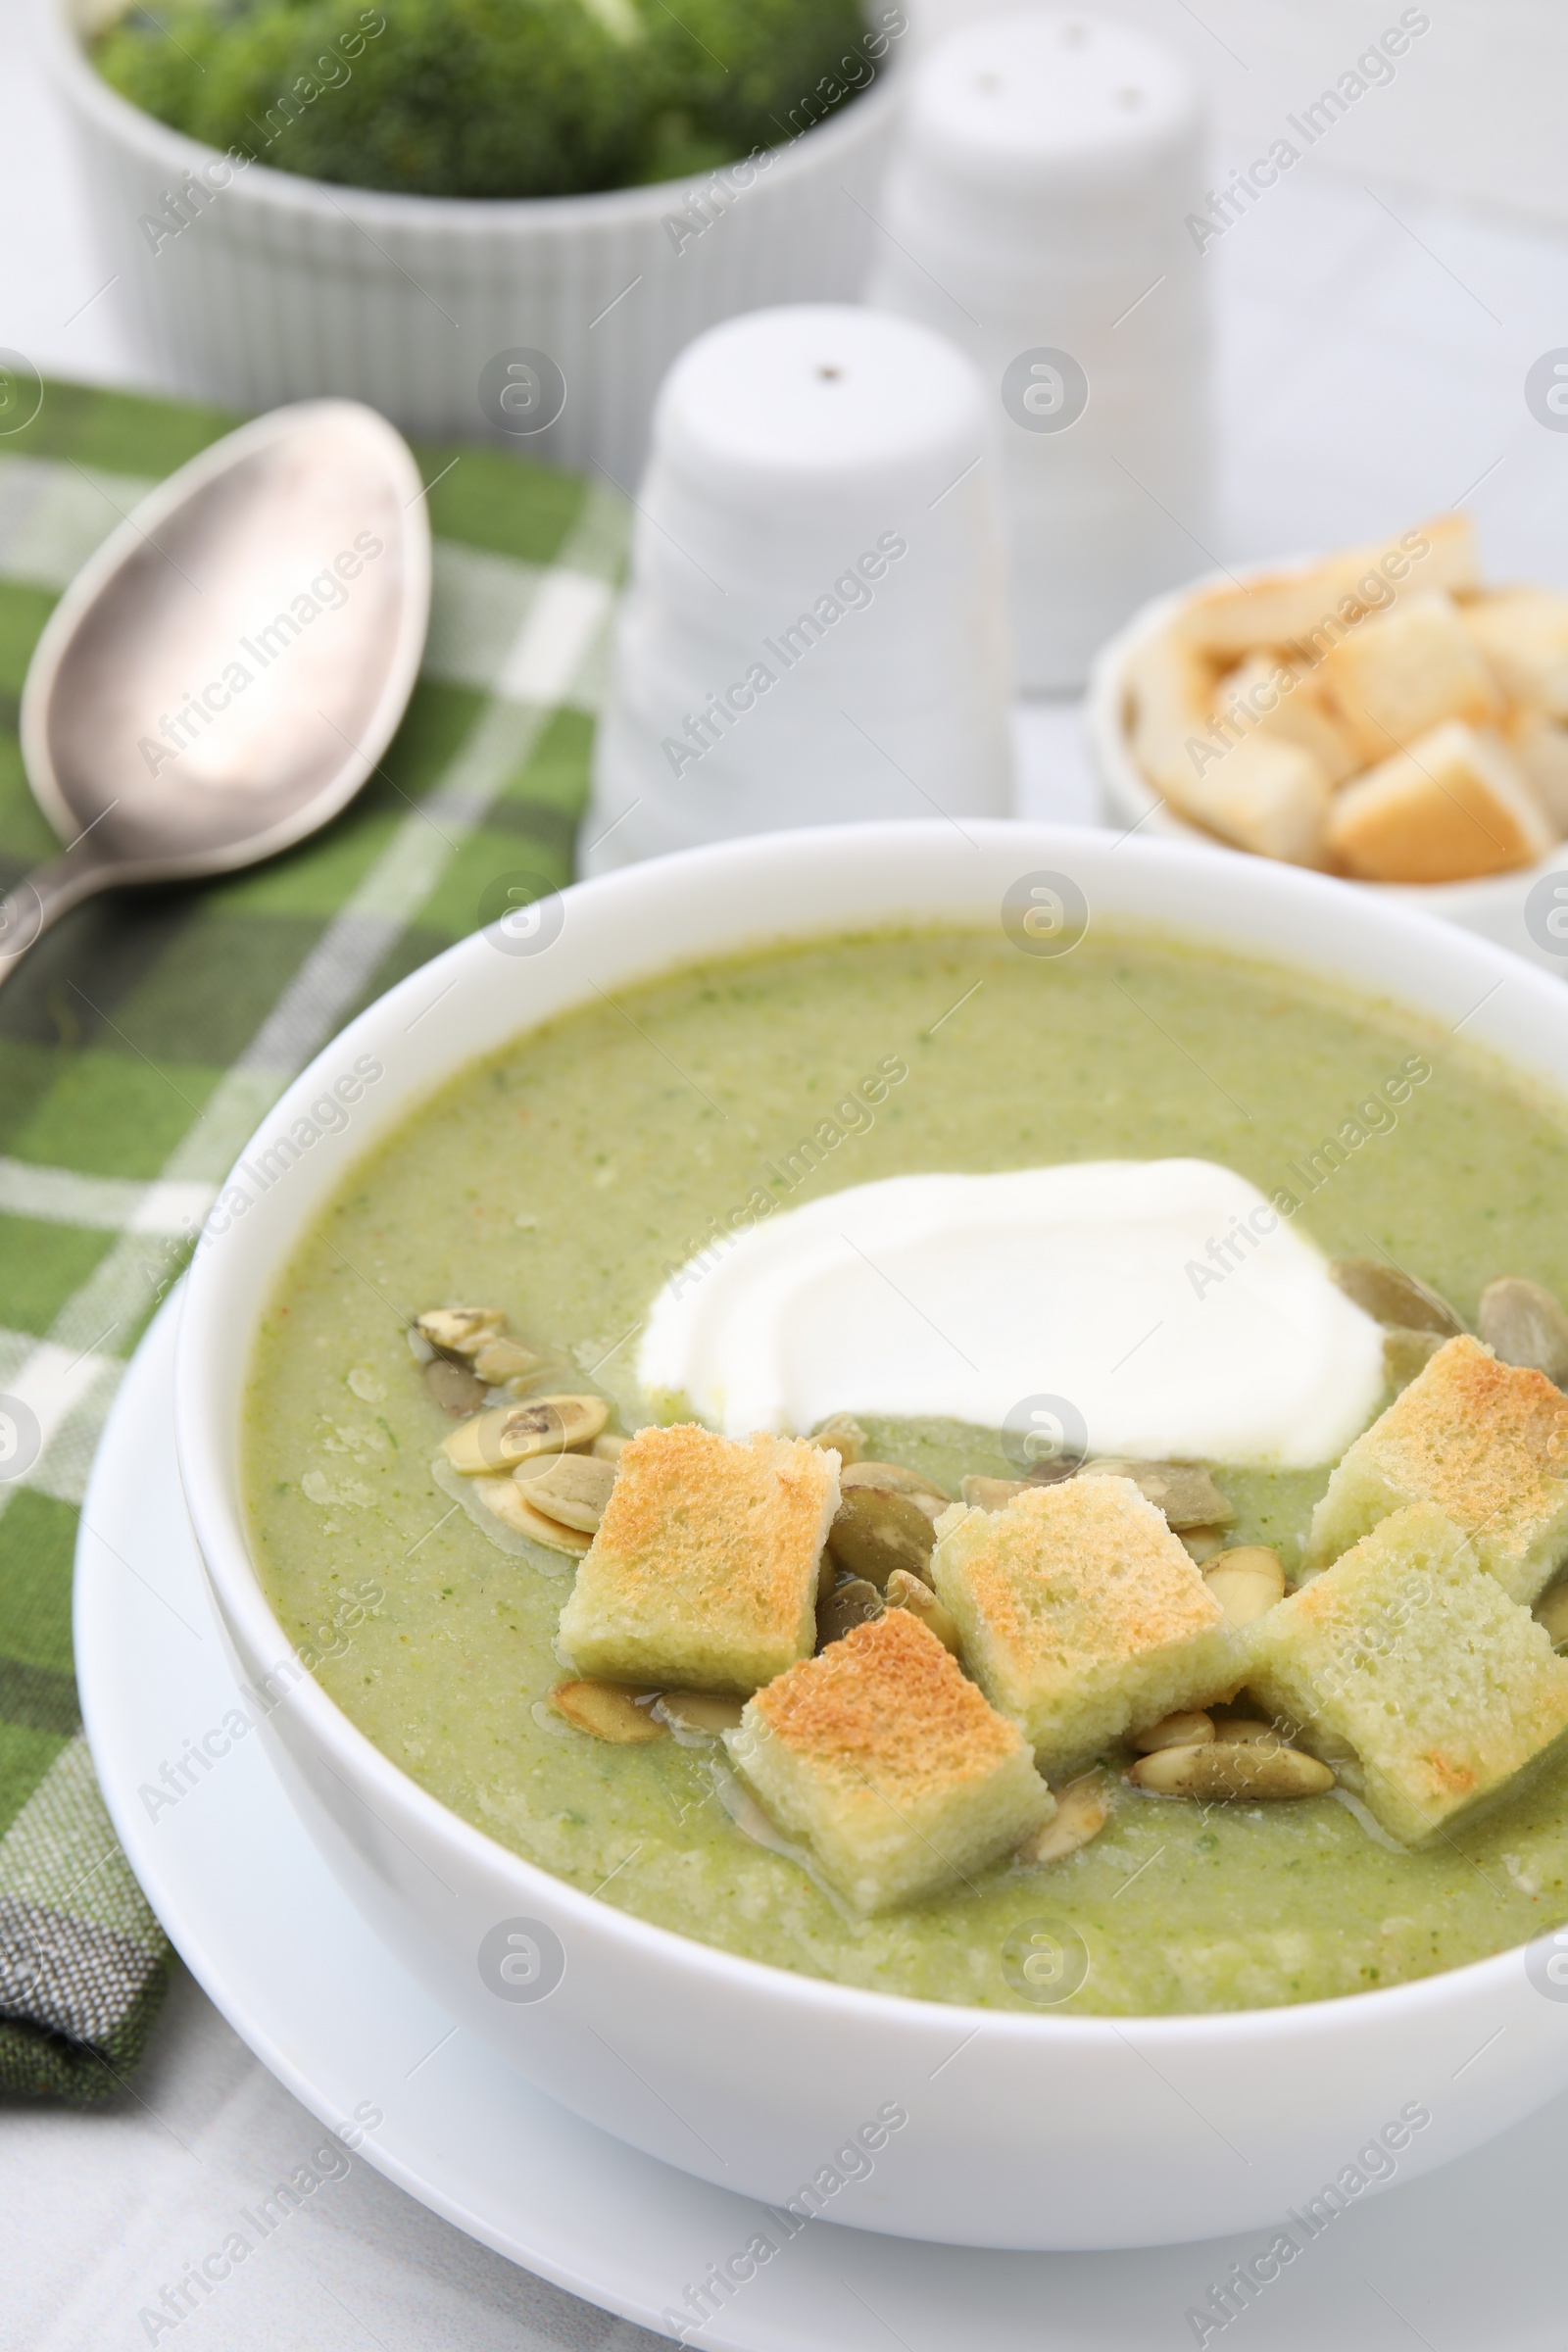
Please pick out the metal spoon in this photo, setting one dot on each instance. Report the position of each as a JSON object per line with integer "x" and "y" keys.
{"x": 222, "y": 675}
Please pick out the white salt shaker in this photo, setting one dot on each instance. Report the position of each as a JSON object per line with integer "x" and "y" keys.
{"x": 1035, "y": 211}
{"x": 815, "y": 627}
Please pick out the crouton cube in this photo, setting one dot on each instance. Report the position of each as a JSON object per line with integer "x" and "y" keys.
{"x": 1308, "y": 606}
{"x": 1169, "y": 690}
{"x": 1523, "y": 637}
{"x": 1540, "y": 749}
{"x": 1400, "y": 673}
{"x": 1408, "y": 1669}
{"x": 1268, "y": 795}
{"x": 704, "y": 1569}
{"x": 1284, "y": 704}
{"x": 1263, "y": 794}
{"x": 884, "y": 1758}
{"x": 1451, "y": 807}
{"x": 1081, "y": 1614}
{"x": 1449, "y": 561}
{"x": 1485, "y": 1442}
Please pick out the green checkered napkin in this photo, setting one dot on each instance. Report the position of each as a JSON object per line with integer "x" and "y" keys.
{"x": 141, "y": 1040}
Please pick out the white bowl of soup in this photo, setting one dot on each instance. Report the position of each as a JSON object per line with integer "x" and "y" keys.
{"x": 1211, "y": 2018}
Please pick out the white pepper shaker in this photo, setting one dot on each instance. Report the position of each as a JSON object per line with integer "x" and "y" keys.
{"x": 1036, "y": 211}
{"x": 815, "y": 627}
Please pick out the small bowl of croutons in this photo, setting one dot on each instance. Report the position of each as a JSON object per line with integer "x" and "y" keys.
{"x": 1377, "y": 713}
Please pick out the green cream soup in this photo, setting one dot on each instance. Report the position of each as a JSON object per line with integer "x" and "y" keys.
{"x": 565, "y": 1178}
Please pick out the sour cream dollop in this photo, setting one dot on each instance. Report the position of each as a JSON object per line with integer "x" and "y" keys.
{"x": 1175, "y": 1311}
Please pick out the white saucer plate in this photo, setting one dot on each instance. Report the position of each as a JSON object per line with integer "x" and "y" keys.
{"x": 1464, "y": 2260}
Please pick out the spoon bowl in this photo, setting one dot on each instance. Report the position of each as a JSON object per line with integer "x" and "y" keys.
{"x": 226, "y": 672}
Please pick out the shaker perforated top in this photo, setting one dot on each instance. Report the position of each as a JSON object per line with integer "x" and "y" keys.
{"x": 1022, "y": 100}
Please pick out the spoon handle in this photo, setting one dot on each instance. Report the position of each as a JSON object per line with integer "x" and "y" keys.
{"x": 39, "y": 900}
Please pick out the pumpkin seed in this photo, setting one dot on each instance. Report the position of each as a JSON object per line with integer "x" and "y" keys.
{"x": 852, "y": 1604}
{"x": 1191, "y": 1729}
{"x": 1202, "y": 1542}
{"x": 453, "y": 1388}
{"x": 892, "y": 1478}
{"x": 1526, "y": 1325}
{"x": 544, "y": 1375}
{"x": 1083, "y": 1809}
{"x": 1246, "y": 1582}
{"x": 609, "y": 1711}
{"x": 609, "y": 1446}
{"x": 1220, "y": 1768}
{"x": 705, "y": 1711}
{"x": 516, "y": 1433}
{"x": 1054, "y": 1468}
{"x": 498, "y": 1360}
{"x": 885, "y": 1519}
{"x": 570, "y": 1488}
{"x": 1394, "y": 1297}
{"x": 992, "y": 1494}
{"x": 460, "y": 1330}
{"x": 501, "y": 1494}
{"x": 1186, "y": 1493}
{"x": 1406, "y": 1353}
{"x": 1246, "y": 1731}
{"x": 876, "y": 1530}
{"x": 1551, "y": 1611}
{"x": 845, "y": 1436}
{"x": 907, "y": 1592}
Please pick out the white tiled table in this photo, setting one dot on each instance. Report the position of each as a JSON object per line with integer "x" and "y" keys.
{"x": 1374, "y": 348}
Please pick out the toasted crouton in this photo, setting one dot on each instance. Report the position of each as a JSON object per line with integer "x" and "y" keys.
{"x": 883, "y": 1756}
{"x": 1401, "y": 673}
{"x": 1450, "y": 560}
{"x": 1410, "y": 1670}
{"x": 1296, "y": 607}
{"x": 1540, "y": 748}
{"x": 704, "y": 1570}
{"x": 1451, "y": 807}
{"x": 1486, "y": 1442}
{"x": 1266, "y": 796}
{"x": 1081, "y": 1614}
{"x": 1169, "y": 690}
{"x": 1523, "y": 637}
{"x": 1282, "y": 702}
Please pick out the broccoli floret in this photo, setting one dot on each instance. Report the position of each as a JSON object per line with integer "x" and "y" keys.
{"x": 246, "y": 97}
{"x": 487, "y": 98}
{"x": 674, "y": 146}
{"x": 161, "y": 66}
{"x": 756, "y": 72}
{"x": 481, "y": 98}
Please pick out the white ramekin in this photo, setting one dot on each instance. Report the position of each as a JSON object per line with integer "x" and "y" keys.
{"x": 1495, "y": 907}
{"x": 282, "y": 288}
{"x": 1025, "y": 2131}
{"x": 1062, "y": 228}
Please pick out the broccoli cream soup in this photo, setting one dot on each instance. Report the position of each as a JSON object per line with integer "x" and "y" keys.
{"x": 1004, "y": 1480}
